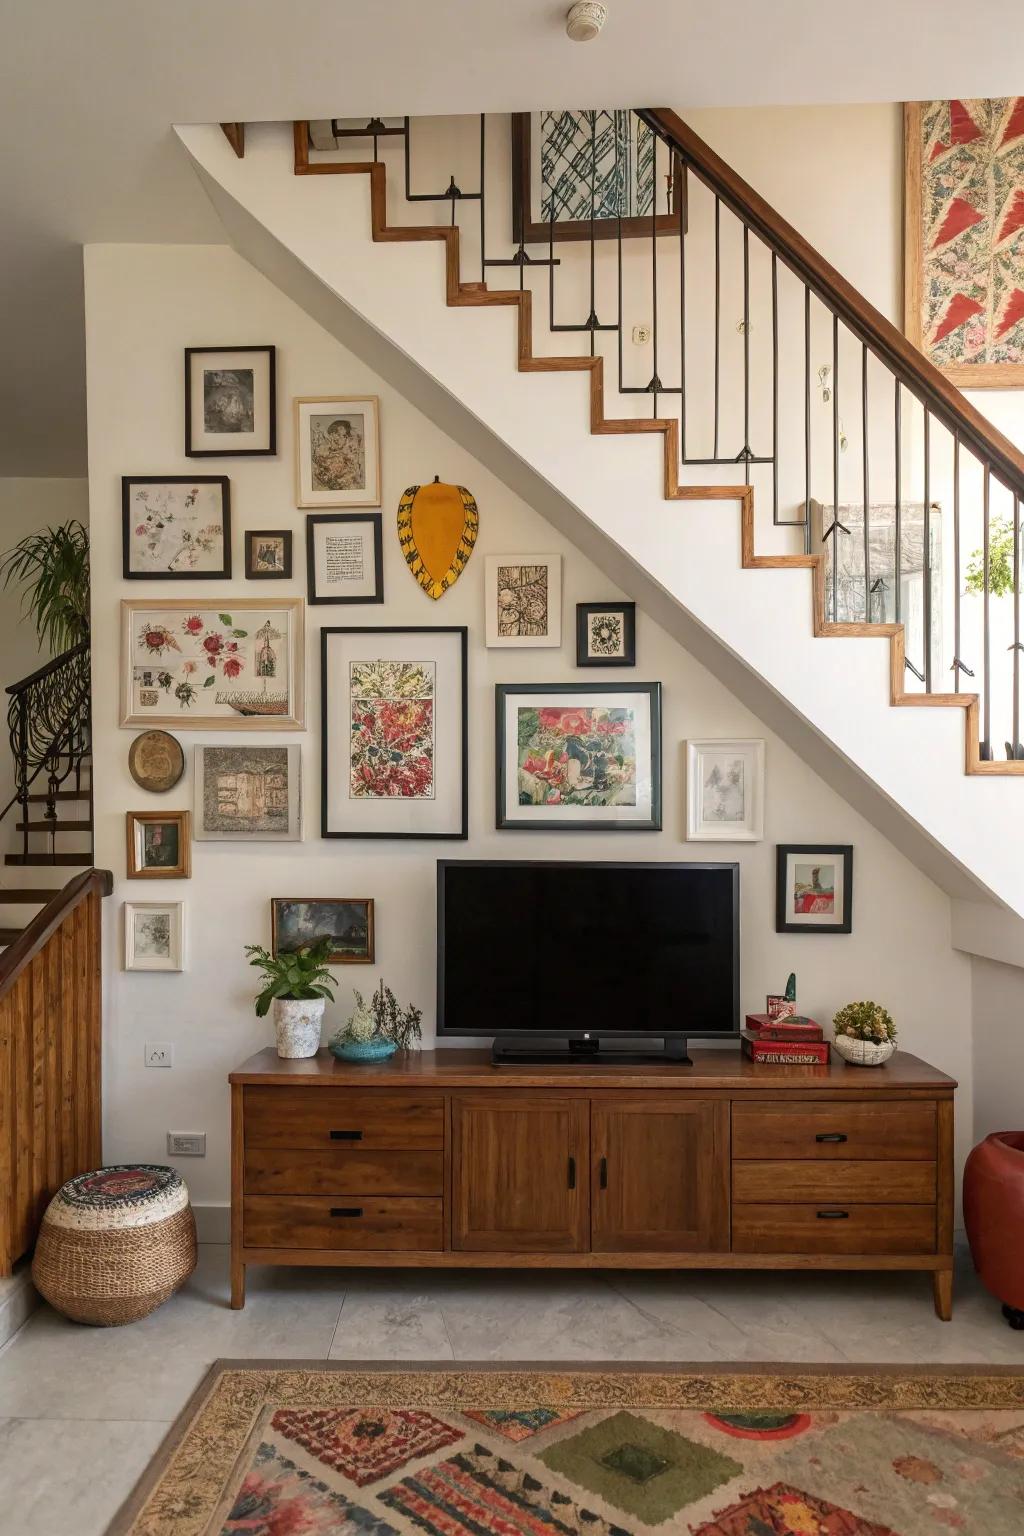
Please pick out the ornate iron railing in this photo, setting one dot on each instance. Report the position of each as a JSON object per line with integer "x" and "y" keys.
{"x": 49, "y": 725}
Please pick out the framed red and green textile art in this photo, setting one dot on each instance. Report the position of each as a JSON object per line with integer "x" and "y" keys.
{"x": 964, "y": 238}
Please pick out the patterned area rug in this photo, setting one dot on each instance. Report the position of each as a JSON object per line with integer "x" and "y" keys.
{"x": 340, "y": 1451}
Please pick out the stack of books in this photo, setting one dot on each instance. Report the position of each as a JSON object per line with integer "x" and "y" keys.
{"x": 788, "y": 1042}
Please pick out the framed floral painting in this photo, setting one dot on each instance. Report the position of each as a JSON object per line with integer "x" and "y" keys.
{"x": 337, "y": 451}
{"x": 393, "y": 737}
{"x": 523, "y": 594}
{"x": 582, "y": 757}
{"x": 606, "y": 634}
{"x": 175, "y": 527}
{"x": 814, "y": 888}
{"x": 233, "y": 666}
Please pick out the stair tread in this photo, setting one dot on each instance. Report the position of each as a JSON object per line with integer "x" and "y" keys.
{"x": 83, "y": 860}
{"x": 24, "y": 893}
{"x": 51, "y": 826}
{"x": 61, "y": 794}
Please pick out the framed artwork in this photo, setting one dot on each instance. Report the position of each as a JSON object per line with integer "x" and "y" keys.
{"x": 725, "y": 791}
{"x": 230, "y": 402}
{"x": 964, "y": 238}
{"x": 606, "y": 634}
{"x": 523, "y": 594}
{"x": 393, "y": 732}
{"x": 159, "y": 845}
{"x": 337, "y": 451}
{"x": 268, "y": 554}
{"x": 814, "y": 888}
{"x": 345, "y": 557}
{"x": 237, "y": 665}
{"x": 175, "y": 527}
{"x": 582, "y": 757}
{"x": 156, "y": 761}
{"x": 348, "y": 921}
{"x": 248, "y": 792}
{"x": 154, "y": 935}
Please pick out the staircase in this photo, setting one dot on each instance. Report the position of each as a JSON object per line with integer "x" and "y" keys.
{"x": 746, "y": 316}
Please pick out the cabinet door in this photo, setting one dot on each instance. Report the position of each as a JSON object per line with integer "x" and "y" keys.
{"x": 660, "y": 1169}
{"x": 520, "y": 1173}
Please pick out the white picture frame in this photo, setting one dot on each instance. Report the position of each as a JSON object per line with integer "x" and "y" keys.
{"x": 347, "y": 474}
{"x": 523, "y": 600}
{"x": 247, "y": 792}
{"x": 725, "y": 790}
{"x": 154, "y": 935}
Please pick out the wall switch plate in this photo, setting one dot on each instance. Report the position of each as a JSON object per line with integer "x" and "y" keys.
{"x": 641, "y": 335}
{"x": 159, "y": 1053}
{"x": 186, "y": 1143}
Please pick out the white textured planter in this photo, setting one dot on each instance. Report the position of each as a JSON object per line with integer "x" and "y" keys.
{"x": 863, "y": 1053}
{"x": 297, "y": 1023}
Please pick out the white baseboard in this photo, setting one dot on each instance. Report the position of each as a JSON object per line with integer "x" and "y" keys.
{"x": 18, "y": 1300}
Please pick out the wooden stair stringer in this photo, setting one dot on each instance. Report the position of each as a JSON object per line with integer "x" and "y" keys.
{"x": 477, "y": 295}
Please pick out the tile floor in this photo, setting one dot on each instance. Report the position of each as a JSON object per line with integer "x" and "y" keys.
{"x": 83, "y": 1410}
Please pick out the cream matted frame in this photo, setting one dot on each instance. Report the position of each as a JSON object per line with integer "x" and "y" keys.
{"x": 305, "y": 495}
{"x": 176, "y": 959}
{"x": 293, "y": 610}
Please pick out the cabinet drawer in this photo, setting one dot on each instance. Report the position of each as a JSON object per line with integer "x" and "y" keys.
{"x": 833, "y": 1228}
{"x": 273, "y": 1171}
{"x": 356, "y": 1222}
{"x": 889, "y": 1132}
{"x": 786, "y": 1182}
{"x": 342, "y": 1117}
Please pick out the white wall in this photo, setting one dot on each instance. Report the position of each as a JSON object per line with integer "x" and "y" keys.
{"x": 997, "y": 993}
{"x": 144, "y": 304}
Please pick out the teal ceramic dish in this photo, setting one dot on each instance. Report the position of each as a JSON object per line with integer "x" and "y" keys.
{"x": 363, "y": 1050}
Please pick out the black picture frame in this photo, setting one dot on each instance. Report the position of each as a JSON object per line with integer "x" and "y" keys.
{"x": 232, "y": 453}
{"x": 583, "y": 614}
{"x": 783, "y": 851}
{"x": 127, "y": 481}
{"x": 313, "y": 521}
{"x": 251, "y": 535}
{"x": 462, "y": 832}
{"x": 503, "y": 691}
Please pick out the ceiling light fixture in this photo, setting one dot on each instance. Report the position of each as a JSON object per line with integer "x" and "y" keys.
{"x": 584, "y": 20}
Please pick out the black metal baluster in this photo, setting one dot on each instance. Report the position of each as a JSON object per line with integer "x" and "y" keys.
{"x": 618, "y": 253}
{"x": 836, "y": 525}
{"x": 718, "y": 313}
{"x": 986, "y": 745}
{"x": 592, "y": 317}
{"x": 483, "y": 205}
{"x": 958, "y": 665}
{"x": 746, "y": 348}
{"x": 655, "y": 383}
{"x": 898, "y": 531}
{"x": 775, "y": 388}
{"x": 23, "y": 774}
{"x": 926, "y": 554}
{"x": 807, "y": 419}
{"x": 1015, "y": 739}
{"x": 867, "y": 496}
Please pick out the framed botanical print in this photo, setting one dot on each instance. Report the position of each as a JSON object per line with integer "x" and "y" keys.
{"x": 154, "y": 935}
{"x": 523, "y": 594}
{"x": 337, "y": 451}
{"x": 248, "y": 793}
{"x": 159, "y": 845}
{"x": 175, "y": 527}
{"x": 268, "y": 554}
{"x": 236, "y": 665}
{"x": 814, "y": 888}
{"x": 347, "y": 921}
{"x": 582, "y": 757}
{"x": 230, "y": 401}
{"x": 345, "y": 557}
{"x": 725, "y": 791}
{"x": 393, "y": 732}
{"x": 606, "y": 634}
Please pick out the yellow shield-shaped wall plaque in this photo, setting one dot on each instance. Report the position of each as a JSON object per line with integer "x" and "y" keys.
{"x": 437, "y": 527}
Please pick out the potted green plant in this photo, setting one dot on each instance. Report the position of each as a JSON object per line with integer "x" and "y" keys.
{"x": 53, "y": 567}
{"x": 378, "y": 1028}
{"x": 865, "y": 1034}
{"x": 298, "y": 984}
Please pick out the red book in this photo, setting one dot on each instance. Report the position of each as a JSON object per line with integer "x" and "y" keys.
{"x": 785, "y": 1029}
{"x": 785, "y": 1053}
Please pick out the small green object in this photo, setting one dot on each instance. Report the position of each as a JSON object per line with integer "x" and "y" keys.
{"x": 865, "y": 1021}
{"x": 298, "y": 974}
{"x": 790, "y": 992}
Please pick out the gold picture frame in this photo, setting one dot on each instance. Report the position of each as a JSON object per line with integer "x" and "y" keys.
{"x": 143, "y": 855}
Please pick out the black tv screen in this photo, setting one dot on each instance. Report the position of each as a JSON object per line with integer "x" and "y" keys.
{"x": 573, "y": 949}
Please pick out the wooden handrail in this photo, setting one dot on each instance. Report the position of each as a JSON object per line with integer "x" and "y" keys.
{"x": 901, "y": 357}
{"x": 45, "y": 923}
{"x": 48, "y": 667}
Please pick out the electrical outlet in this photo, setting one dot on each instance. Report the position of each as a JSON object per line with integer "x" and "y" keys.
{"x": 641, "y": 335}
{"x": 159, "y": 1053}
{"x": 186, "y": 1143}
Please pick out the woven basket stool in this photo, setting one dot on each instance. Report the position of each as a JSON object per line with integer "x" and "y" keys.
{"x": 115, "y": 1244}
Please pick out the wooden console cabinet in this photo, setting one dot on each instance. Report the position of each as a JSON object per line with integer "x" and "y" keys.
{"x": 439, "y": 1158}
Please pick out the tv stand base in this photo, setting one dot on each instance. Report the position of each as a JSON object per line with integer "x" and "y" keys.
{"x": 507, "y": 1052}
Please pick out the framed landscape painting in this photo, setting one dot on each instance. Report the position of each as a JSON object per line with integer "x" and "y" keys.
{"x": 236, "y": 665}
{"x": 523, "y": 595}
{"x": 230, "y": 402}
{"x": 725, "y": 791}
{"x": 580, "y": 757}
{"x": 814, "y": 888}
{"x": 250, "y": 793}
{"x": 175, "y": 527}
{"x": 347, "y": 921}
{"x": 337, "y": 451}
{"x": 393, "y": 732}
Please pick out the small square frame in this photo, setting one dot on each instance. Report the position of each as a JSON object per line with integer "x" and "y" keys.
{"x": 135, "y": 824}
{"x": 176, "y": 960}
{"x": 584, "y": 612}
{"x": 251, "y": 536}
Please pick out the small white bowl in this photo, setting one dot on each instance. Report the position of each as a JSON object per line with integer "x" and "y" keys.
{"x": 863, "y": 1053}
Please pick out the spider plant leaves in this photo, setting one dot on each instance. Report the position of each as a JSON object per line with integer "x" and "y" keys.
{"x": 53, "y": 567}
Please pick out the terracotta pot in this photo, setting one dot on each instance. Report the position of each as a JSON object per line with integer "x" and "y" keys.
{"x": 994, "y": 1215}
{"x": 297, "y": 1023}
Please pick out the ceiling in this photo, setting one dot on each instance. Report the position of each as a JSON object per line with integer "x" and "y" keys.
{"x": 88, "y": 94}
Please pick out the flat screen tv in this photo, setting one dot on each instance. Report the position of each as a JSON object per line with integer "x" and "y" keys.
{"x": 553, "y": 958}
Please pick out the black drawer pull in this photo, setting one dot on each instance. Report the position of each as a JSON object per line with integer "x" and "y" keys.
{"x": 831, "y": 1136}
{"x": 833, "y": 1215}
{"x": 572, "y": 1173}
{"x": 603, "y": 1173}
{"x": 346, "y": 1210}
{"x": 346, "y": 1135}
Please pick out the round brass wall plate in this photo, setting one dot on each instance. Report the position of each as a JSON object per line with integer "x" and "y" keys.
{"x": 156, "y": 761}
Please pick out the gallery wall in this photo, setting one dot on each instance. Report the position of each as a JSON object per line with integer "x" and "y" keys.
{"x": 144, "y": 305}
